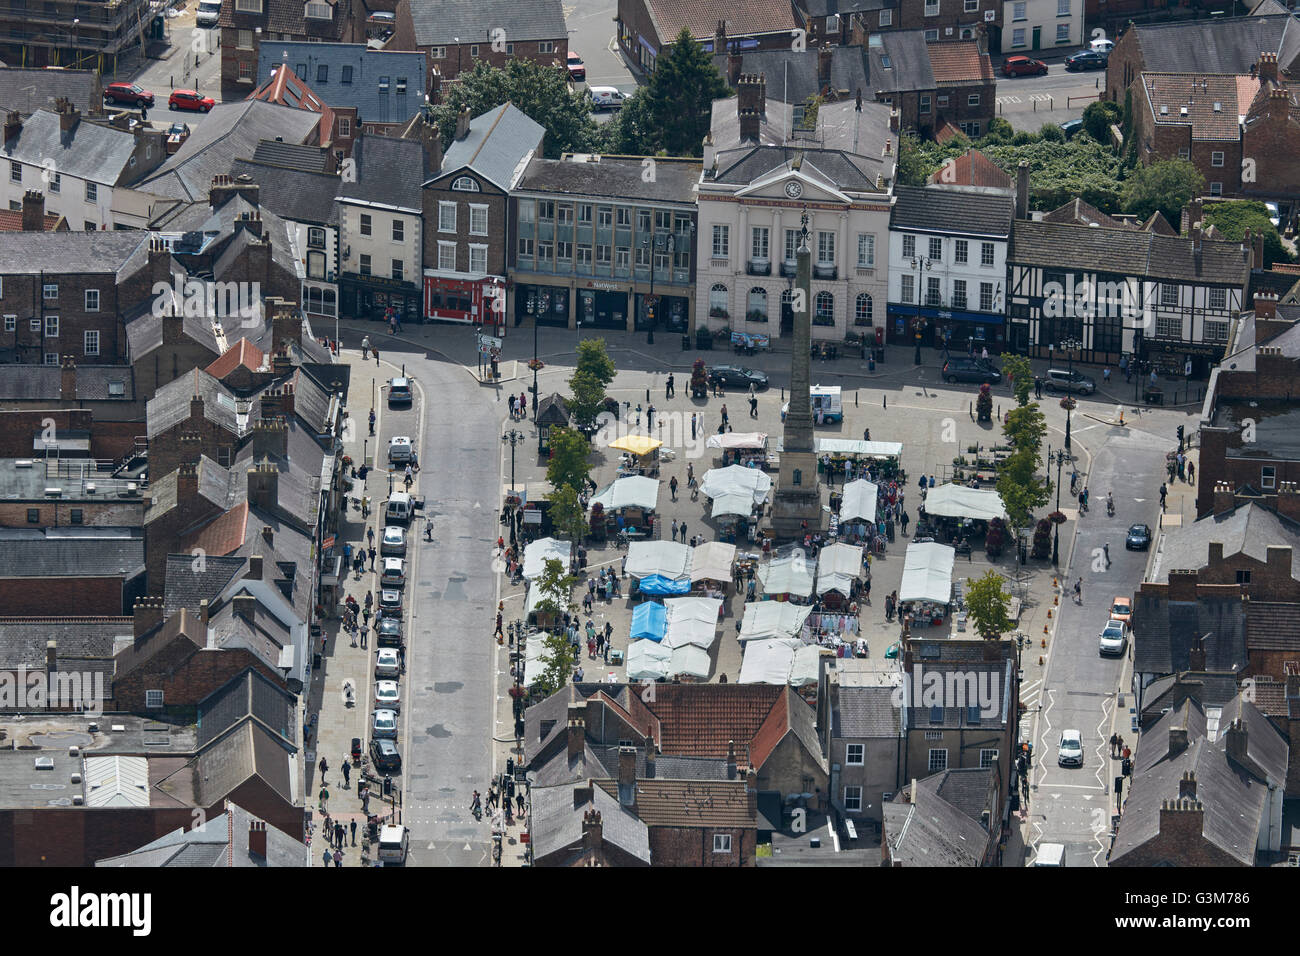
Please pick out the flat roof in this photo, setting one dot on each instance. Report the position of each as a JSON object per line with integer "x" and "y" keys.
{"x": 1276, "y": 428}
{"x": 26, "y": 479}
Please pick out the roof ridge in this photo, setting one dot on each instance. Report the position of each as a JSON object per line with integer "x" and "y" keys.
{"x": 501, "y": 111}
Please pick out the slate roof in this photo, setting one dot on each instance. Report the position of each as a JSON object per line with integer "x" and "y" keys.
{"x": 71, "y": 551}
{"x": 1273, "y": 626}
{"x": 1078, "y": 212}
{"x": 1219, "y": 45}
{"x": 45, "y": 383}
{"x": 145, "y": 332}
{"x": 866, "y": 712}
{"x": 499, "y": 142}
{"x": 115, "y": 252}
{"x": 930, "y": 831}
{"x": 81, "y": 87}
{"x": 221, "y": 842}
{"x": 286, "y": 89}
{"x": 308, "y": 159}
{"x": 1163, "y": 632}
{"x": 98, "y": 154}
{"x": 953, "y": 210}
{"x": 245, "y": 752}
{"x": 1247, "y": 529}
{"x": 439, "y": 22}
{"x": 231, "y": 131}
{"x": 1127, "y": 252}
{"x": 389, "y": 173}
{"x": 792, "y": 76}
{"x": 90, "y": 641}
{"x": 611, "y": 178}
{"x": 744, "y": 17}
{"x": 908, "y": 58}
{"x": 312, "y": 403}
{"x": 170, "y": 405}
{"x": 972, "y": 168}
{"x": 1199, "y": 94}
{"x": 186, "y": 587}
{"x": 299, "y": 482}
{"x": 959, "y": 63}
{"x": 363, "y": 92}
{"x": 293, "y": 193}
{"x": 249, "y": 695}
{"x": 162, "y": 491}
{"x": 557, "y": 824}
{"x": 689, "y": 803}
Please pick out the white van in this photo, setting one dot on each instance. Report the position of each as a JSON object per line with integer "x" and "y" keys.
{"x": 825, "y": 399}
{"x": 1050, "y": 854}
{"x": 606, "y": 97}
{"x": 393, "y": 844}
{"x": 209, "y": 13}
{"x": 400, "y": 509}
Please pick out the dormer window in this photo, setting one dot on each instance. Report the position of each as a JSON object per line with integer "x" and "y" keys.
{"x": 383, "y": 84}
{"x": 248, "y": 6}
{"x": 319, "y": 11}
{"x": 401, "y": 84}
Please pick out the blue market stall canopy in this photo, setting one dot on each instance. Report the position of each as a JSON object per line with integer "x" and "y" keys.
{"x": 657, "y": 584}
{"x": 649, "y": 621}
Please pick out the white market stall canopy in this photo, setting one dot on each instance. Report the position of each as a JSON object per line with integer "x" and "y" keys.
{"x": 733, "y": 440}
{"x": 784, "y": 660}
{"x": 927, "y": 573}
{"x": 959, "y": 501}
{"x": 666, "y": 558}
{"x": 792, "y": 574}
{"x": 837, "y": 567}
{"x": 767, "y": 619}
{"x": 690, "y": 661}
{"x": 692, "y": 621}
{"x": 712, "y": 561}
{"x": 868, "y": 449}
{"x": 737, "y": 480}
{"x": 859, "y": 501}
{"x": 534, "y": 651}
{"x": 647, "y": 660}
{"x": 741, "y": 505}
{"x": 634, "y": 491}
{"x": 543, "y": 549}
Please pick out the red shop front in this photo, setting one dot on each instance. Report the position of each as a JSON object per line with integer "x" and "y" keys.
{"x": 477, "y": 301}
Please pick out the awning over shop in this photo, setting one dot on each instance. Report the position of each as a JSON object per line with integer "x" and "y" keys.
{"x": 734, "y": 440}
{"x": 927, "y": 573}
{"x": 649, "y": 621}
{"x": 837, "y": 566}
{"x": 633, "y": 491}
{"x": 636, "y": 444}
{"x": 792, "y": 574}
{"x": 712, "y": 561}
{"x": 767, "y": 619}
{"x": 647, "y": 660}
{"x": 959, "y": 501}
{"x": 867, "y": 449}
{"x": 667, "y": 558}
{"x": 540, "y": 551}
{"x": 657, "y": 585}
{"x": 859, "y": 501}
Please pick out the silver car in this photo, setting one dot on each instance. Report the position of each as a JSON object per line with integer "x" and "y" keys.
{"x": 393, "y": 542}
{"x": 383, "y": 723}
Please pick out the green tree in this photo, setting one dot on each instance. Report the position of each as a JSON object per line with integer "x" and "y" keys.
{"x": 918, "y": 158}
{"x": 593, "y": 357}
{"x": 569, "y": 453}
{"x": 1000, "y": 131}
{"x": 987, "y": 603}
{"x": 1166, "y": 186}
{"x": 1234, "y": 217}
{"x": 557, "y": 664}
{"x": 1052, "y": 133}
{"x": 1126, "y": 118}
{"x": 632, "y": 131}
{"x": 567, "y": 515}
{"x": 1025, "y": 428}
{"x": 681, "y": 92}
{"x": 1021, "y": 373}
{"x": 588, "y": 399}
{"x": 811, "y": 106}
{"x": 556, "y": 586}
{"x": 540, "y": 90}
{"x": 1098, "y": 119}
{"x": 1019, "y": 485}
{"x": 1060, "y": 171}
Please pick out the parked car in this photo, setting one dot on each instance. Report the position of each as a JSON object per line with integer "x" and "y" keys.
{"x": 384, "y": 755}
{"x": 393, "y": 541}
{"x": 400, "y": 450}
{"x": 610, "y": 98}
{"x": 399, "y": 391}
{"x": 1086, "y": 60}
{"x": 1121, "y": 609}
{"x": 1114, "y": 637}
{"x": 1138, "y": 538}
{"x": 390, "y": 601}
{"x": 1102, "y": 45}
{"x": 388, "y": 694}
{"x": 387, "y": 665}
{"x": 1023, "y": 66}
{"x": 971, "y": 370}
{"x": 128, "y": 94}
{"x": 1070, "y": 752}
{"x": 577, "y": 69}
{"x": 393, "y": 574}
{"x": 1063, "y": 380}
{"x": 1070, "y": 127}
{"x": 383, "y": 723}
{"x": 191, "y": 100}
{"x": 737, "y": 376}
{"x": 388, "y": 632}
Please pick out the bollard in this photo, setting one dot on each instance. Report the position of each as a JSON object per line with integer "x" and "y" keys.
{"x": 884, "y": 401}
{"x": 1056, "y": 600}
{"x": 1049, "y": 613}
{"x": 971, "y": 410}
{"x": 1040, "y": 660}
{"x": 855, "y": 398}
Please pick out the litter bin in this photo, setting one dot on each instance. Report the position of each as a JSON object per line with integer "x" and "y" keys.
{"x": 388, "y": 785}
{"x": 880, "y": 353}
{"x": 315, "y": 662}
{"x": 703, "y": 339}
{"x": 686, "y": 343}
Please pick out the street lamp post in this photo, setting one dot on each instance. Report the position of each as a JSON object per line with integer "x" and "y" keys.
{"x": 922, "y": 265}
{"x": 512, "y": 438}
{"x": 1069, "y": 345}
{"x": 532, "y": 303}
{"x": 1056, "y": 527}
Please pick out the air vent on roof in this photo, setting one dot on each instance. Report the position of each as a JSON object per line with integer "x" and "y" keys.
{"x": 1182, "y": 111}
{"x": 119, "y": 728}
{"x": 74, "y": 751}
{"x": 76, "y": 777}
{"x": 53, "y": 492}
{"x": 1218, "y": 107}
{"x": 1164, "y": 110}
{"x": 132, "y": 489}
{"x": 90, "y": 487}
{"x": 23, "y": 463}
{"x": 44, "y": 763}
{"x": 93, "y": 727}
{"x": 78, "y": 799}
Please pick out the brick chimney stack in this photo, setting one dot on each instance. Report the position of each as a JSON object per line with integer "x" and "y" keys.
{"x": 13, "y": 124}
{"x": 627, "y": 776}
{"x": 270, "y": 438}
{"x": 1237, "y": 740}
{"x": 751, "y": 93}
{"x": 68, "y": 380}
{"x": 1266, "y": 68}
{"x": 1183, "y": 821}
{"x": 187, "y": 482}
{"x": 825, "y": 55}
{"x": 1022, "y": 190}
{"x": 1288, "y": 500}
{"x": 1177, "y": 740}
{"x": 577, "y": 730}
{"x": 147, "y": 613}
{"x": 254, "y": 568}
{"x": 257, "y": 839}
{"x": 286, "y": 324}
{"x": 1224, "y": 498}
{"x": 1187, "y": 786}
{"x": 33, "y": 211}
{"x": 462, "y": 124}
{"x": 69, "y": 116}
{"x": 224, "y": 186}
{"x": 592, "y": 839}
{"x": 264, "y": 485}
{"x": 731, "y": 760}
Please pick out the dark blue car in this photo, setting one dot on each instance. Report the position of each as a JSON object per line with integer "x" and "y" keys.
{"x": 1138, "y": 538}
{"x": 1086, "y": 60}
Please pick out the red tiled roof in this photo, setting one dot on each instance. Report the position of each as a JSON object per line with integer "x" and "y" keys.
{"x": 11, "y": 220}
{"x": 222, "y": 536}
{"x": 771, "y": 733}
{"x": 243, "y": 353}
{"x": 744, "y": 17}
{"x": 698, "y": 720}
{"x": 959, "y": 64}
{"x": 689, "y": 803}
{"x": 945, "y": 131}
{"x": 1197, "y": 93}
{"x": 971, "y": 168}
{"x": 1287, "y": 268}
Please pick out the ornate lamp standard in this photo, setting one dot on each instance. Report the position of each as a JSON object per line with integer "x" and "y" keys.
{"x": 922, "y": 265}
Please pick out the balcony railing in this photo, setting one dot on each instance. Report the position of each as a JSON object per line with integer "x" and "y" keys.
{"x": 759, "y": 267}
{"x": 789, "y": 270}
{"x": 825, "y": 272}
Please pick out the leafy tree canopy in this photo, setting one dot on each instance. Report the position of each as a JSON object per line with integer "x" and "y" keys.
{"x": 987, "y": 603}
{"x": 1166, "y": 186}
{"x": 1233, "y": 217}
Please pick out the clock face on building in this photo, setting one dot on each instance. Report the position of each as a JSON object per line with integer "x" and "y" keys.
{"x": 793, "y": 190}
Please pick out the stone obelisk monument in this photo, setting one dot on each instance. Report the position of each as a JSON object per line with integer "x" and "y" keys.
{"x": 798, "y": 491}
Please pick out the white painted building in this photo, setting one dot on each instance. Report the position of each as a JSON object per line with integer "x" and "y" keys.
{"x": 1030, "y": 25}
{"x": 760, "y": 177}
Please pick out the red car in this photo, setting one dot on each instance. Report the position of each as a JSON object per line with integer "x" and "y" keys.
{"x": 577, "y": 69}
{"x": 128, "y": 93}
{"x": 1023, "y": 66}
{"x": 190, "y": 100}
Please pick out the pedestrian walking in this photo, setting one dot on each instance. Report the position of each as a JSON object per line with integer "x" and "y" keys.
{"x": 674, "y": 529}
{"x": 326, "y": 856}
{"x": 347, "y": 770}
{"x": 693, "y": 425}
{"x": 672, "y": 487}
{"x": 753, "y": 406}
{"x": 1114, "y": 745}
{"x": 365, "y": 348}
{"x": 724, "y": 414}
{"x": 512, "y": 406}
{"x": 1105, "y": 375}
{"x": 323, "y": 768}
{"x": 1191, "y": 472}
{"x": 1127, "y": 752}
{"x": 499, "y": 631}
{"x": 376, "y": 351}
{"x": 1078, "y": 591}
{"x": 1038, "y": 386}
{"x": 638, "y": 414}
{"x": 338, "y": 835}
{"x": 338, "y": 858}
{"x": 370, "y": 539}
{"x": 650, "y": 417}
{"x": 372, "y": 422}
{"x": 1164, "y": 492}
{"x": 365, "y": 631}
{"x": 669, "y": 392}
{"x": 903, "y": 520}
{"x": 519, "y": 803}
{"x": 353, "y": 827}
{"x": 683, "y": 526}
{"x": 371, "y": 551}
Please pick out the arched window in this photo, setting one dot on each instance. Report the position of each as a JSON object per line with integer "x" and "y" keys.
{"x": 862, "y": 312}
{"x": 757, "y": 309}
{"x": 718, "y": 301}
{"x": 798, "y": 477}
{"x": 824, "y": 312}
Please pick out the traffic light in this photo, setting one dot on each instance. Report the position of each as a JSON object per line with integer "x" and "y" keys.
{"x": 1180, "y": 437}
